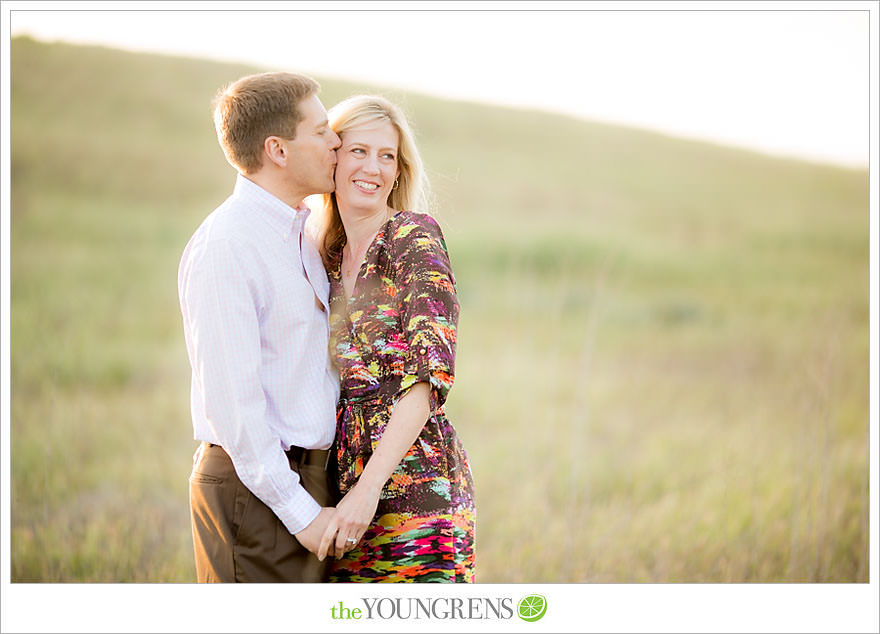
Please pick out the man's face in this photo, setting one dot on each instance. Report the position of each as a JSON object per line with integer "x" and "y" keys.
{"x": 313, "y": 152}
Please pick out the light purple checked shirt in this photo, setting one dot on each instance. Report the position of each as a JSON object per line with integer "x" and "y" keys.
{"x": 252, "y": 288}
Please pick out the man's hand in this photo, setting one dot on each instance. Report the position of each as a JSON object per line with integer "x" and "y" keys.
{"x": 310, "y": 536}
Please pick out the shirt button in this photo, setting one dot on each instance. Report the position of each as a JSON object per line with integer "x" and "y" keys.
{"x": 423, "y": 351}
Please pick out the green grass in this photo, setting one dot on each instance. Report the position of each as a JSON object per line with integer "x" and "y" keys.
{"x": 663, "y": 356}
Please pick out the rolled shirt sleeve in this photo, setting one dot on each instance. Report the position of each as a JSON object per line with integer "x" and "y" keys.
{"x": 429, "y": 305}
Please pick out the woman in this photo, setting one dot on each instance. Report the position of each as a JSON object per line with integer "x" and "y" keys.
{"x": 407, "y": 512}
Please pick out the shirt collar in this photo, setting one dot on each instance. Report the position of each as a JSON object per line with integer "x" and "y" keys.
{"x": 282, "y": 217}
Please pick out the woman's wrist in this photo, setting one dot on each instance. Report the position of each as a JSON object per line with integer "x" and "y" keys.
{"x": 370, "y": 483}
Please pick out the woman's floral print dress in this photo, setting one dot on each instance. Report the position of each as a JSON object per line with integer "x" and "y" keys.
{"x": 397, "y": 329}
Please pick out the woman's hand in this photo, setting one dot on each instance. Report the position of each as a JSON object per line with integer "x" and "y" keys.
{"x": 357, "y": 509}
{"x": 353, "y": 515}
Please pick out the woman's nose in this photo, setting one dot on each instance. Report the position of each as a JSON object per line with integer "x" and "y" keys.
{"x": 371, "y": 165}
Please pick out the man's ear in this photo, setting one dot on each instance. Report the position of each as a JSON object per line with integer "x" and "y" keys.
{"x": 276, "y": 150}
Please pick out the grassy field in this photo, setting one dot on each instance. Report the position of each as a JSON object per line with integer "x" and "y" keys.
{"x": 663, "y": 358}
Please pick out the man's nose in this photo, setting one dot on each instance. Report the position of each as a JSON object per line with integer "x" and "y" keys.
{"x": 336, "y": 140}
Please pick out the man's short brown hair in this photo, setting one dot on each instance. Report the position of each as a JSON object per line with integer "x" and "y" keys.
{"x": 255, "y": 107}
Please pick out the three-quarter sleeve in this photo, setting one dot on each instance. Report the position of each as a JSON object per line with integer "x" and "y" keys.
{"x": 429, "y": 306}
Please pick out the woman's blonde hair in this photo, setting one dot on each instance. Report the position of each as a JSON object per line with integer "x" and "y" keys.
{"x": 411, "y": 191}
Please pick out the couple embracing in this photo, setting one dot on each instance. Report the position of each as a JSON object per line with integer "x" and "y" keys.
{"x": 322, "y": 352}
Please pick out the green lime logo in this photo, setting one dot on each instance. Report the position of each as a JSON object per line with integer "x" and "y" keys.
{"x": 532, "y": 607}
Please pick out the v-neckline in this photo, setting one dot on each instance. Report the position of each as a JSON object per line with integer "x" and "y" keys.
{"x": 349, "y": 298}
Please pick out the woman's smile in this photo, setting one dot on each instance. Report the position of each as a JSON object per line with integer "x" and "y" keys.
{"x": 366, "y": 186}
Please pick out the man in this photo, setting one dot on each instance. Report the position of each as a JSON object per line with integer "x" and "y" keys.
{"x": 253, "y": 294}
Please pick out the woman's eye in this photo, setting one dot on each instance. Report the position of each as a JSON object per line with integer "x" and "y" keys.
{"x": 357, "y": 150}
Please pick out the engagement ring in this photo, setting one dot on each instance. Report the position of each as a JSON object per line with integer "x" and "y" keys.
{"x": 351, "y": 540}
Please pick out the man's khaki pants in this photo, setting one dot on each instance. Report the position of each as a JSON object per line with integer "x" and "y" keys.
{"x": 237, "y": 537}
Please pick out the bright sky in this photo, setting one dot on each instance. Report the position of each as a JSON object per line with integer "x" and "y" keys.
{"x": 791, "y": 82}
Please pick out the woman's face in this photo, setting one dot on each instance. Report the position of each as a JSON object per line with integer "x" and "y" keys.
{"x": 366, "y": 166}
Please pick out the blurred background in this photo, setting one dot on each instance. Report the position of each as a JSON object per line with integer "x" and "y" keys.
{"x": 663, "y": 356}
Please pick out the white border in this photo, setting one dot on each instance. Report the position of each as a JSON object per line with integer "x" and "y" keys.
{"x": 574, "y": 607}
{"x": 571, "y": 608}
